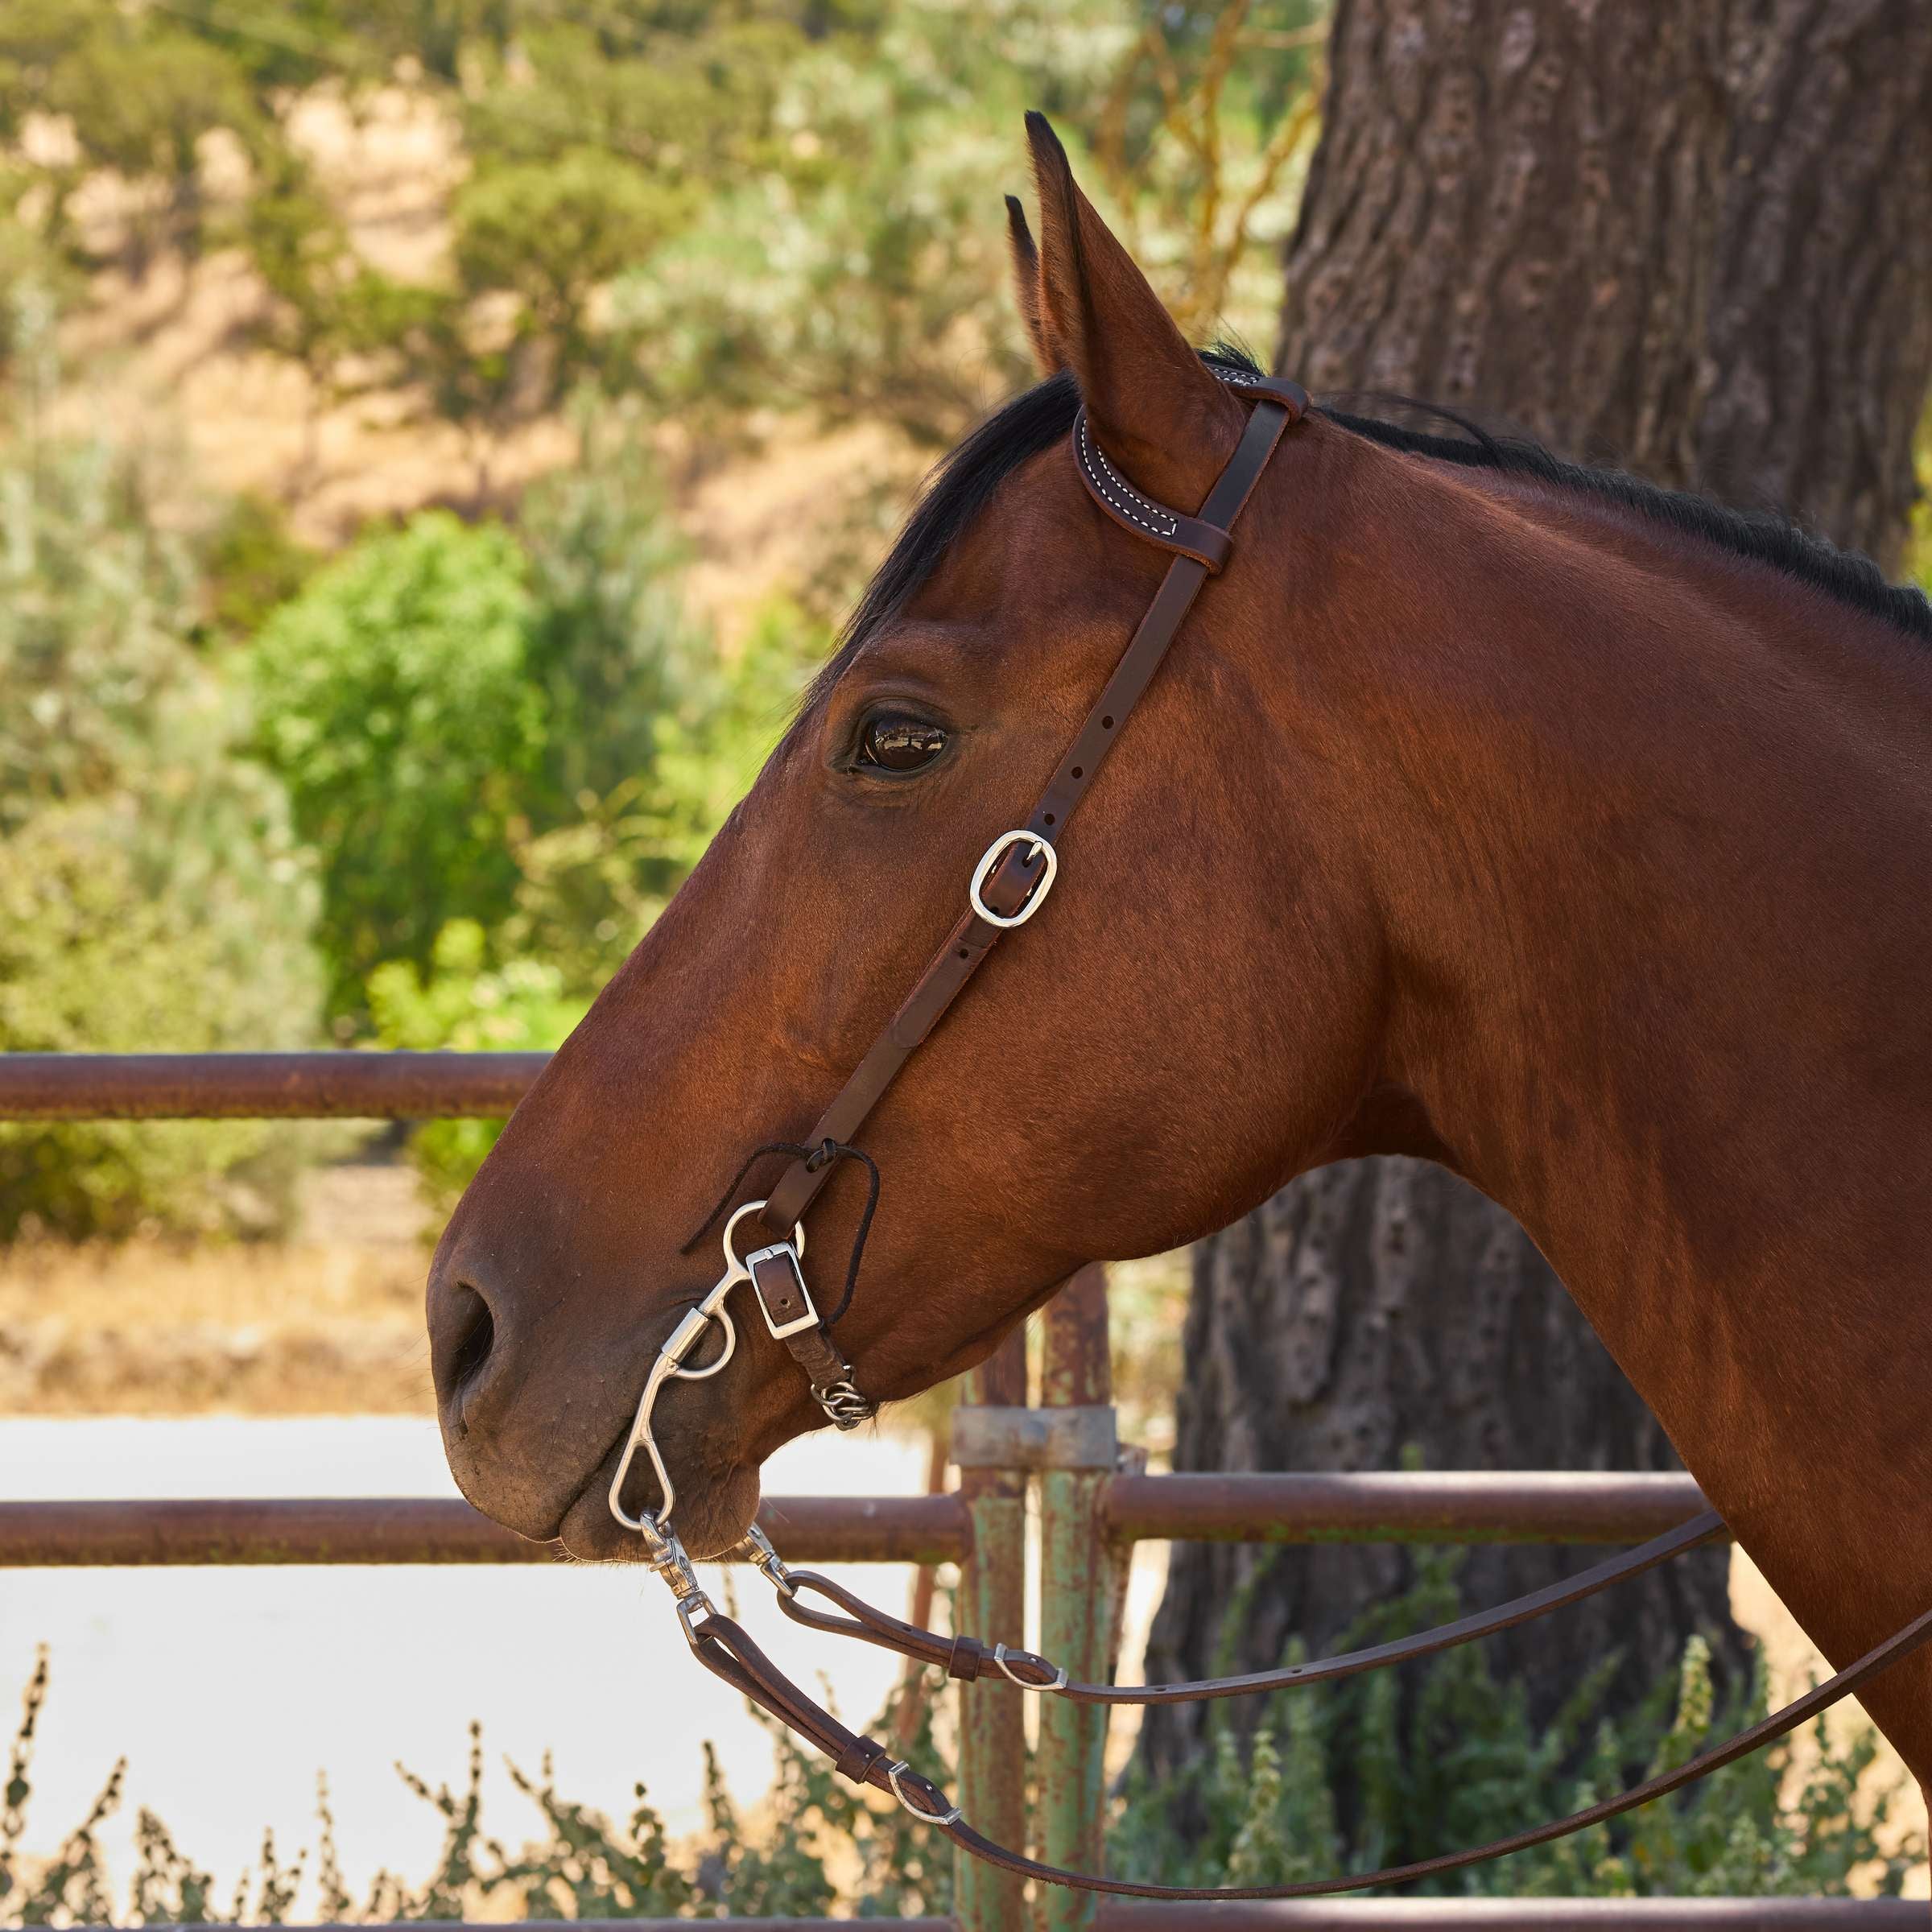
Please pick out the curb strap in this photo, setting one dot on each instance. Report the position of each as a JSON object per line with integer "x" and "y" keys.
{"x": 777, "y": 1279}
{"x": 723, "y": 1648}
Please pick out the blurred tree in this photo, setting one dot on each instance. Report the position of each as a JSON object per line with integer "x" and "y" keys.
{"x": 152, "y": 892}
{"x": 546, "y": 237}
{"x": 465, "y": 1003}
{"x": 1192, "y": 201}
{"x": 391, "y": 699}
{"x": 1698, "y": 239}
{"x": 250, "y": 563}
{"x": 141, "y": 97}
{"x": 610, "y": 646}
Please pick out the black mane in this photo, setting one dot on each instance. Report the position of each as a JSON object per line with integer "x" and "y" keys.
{"x": 966, "y": 480}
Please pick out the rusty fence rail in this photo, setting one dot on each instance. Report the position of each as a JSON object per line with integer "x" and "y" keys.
{"x": 864, "y": 1529}
{"x": 1349, "y": 1915}
{"x": 1094, "y": 1504}
{"x": 426, "y": 1529}
{"x": 263, "y": 1086}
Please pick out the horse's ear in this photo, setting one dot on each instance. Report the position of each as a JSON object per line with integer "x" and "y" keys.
{"x": 1154, "y": 406}
{"x": 1027, "y": 286}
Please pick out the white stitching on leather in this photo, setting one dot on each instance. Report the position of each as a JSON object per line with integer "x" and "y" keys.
{"x": 1089, "y": 450}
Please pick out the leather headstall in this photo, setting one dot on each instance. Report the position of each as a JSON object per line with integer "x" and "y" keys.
{"x": 1018, "y": 878}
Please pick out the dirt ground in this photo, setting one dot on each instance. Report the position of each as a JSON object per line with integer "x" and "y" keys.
{"x": 328, "y": 1324}
{"x": 172, "y": 361}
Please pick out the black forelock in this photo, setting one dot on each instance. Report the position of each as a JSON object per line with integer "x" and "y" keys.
{"x": 959, "y": 487}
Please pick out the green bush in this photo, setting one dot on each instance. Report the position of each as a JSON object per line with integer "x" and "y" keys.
{"x": 583, "y": 1866}
{"x": 551, "y": 233}
{"x": 1756, "y": 1829}
{"x": 391, "y": 699}
{"x": 465, "y": 1004}
{"x": 587, "y": 889}
{"x": 1445, "y": 1756}
{"x": 152, "y": 893}
{"x": 609, "y": 646}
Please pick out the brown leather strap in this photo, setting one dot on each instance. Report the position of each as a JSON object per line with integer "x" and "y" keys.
{"x": 1026, "y": 1668}
{"x": 723, "y": 1647}
{"x": 1199, "y": 544}
{"x": 965, "y": 1658}
{"x": 779, "y": 1282}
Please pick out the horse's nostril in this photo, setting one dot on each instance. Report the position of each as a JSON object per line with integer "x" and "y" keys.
{"x": 475, "y": 1329}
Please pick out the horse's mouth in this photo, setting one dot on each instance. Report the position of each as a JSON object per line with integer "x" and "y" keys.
{"x": 717, "y": 1500}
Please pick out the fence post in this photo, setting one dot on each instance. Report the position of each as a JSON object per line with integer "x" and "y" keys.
{"x": 993, "y": 1605}
{"x": 1077, "y": 1592}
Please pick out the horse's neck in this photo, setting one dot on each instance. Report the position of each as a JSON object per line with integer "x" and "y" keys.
{"x": 1655, "y": 866}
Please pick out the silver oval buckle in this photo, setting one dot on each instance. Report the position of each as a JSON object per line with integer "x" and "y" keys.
{"x": 1035, "y": 899}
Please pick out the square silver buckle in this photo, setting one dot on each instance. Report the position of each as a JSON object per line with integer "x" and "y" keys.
{"x": 810, "y": 1318}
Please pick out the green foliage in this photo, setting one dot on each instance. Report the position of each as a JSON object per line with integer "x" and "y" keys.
{"x": 610, "y": 647}
{"x": 588, "y": 889}
{"x": 589, "y": 886}
{"x": 466, "y": 1004}
{"x": 142, "y": 95}
{"x": 172, "y": 920}
{"x": 391, "y": 700}
{"x": 1449, "y": 1759}
{"x": 95, "y": 600}
{"x": 250, "y": 563}
{"x": 1763, "y": 1827}
{"x": 152, "y": 892}
{"x": 550, "y": 233}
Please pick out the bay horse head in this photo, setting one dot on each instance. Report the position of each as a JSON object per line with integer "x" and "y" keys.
{"x": 1168, "y": 1046}
{"x": 1568, "y": 831}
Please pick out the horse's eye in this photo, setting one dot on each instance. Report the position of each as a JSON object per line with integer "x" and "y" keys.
{"x": 893, "y": 741}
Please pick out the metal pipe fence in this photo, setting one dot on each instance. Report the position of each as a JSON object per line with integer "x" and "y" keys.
{"x": 1091, "y": 1510}
{"x": 428, "y": 1529}
{"x": 1349, "y": 1915}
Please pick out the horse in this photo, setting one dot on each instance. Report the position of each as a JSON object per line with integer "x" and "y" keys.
{"x": 1571, "y": 833}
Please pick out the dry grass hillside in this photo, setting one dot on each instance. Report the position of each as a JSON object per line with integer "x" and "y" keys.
{"x": 329, "y": 1322}
{"x": 171, "y": 357}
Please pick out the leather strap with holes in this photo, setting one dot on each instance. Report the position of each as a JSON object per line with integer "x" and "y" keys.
{"x": 1200, "y": 545}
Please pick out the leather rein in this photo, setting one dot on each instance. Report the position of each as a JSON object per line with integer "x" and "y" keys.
{"x": 1009, "y": 884}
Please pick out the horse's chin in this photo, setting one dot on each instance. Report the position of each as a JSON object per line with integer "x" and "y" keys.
{"x": 712, "y": 1515}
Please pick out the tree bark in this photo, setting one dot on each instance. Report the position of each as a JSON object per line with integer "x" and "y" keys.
{"x": 1695, "y": 241}
{"x": 1512, "y": 209}
{"x": 1820, "y": 329}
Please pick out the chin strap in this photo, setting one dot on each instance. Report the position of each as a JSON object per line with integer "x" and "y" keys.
{"x": 723, "y": 1647}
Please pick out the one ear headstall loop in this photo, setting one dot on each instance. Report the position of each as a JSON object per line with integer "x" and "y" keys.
{"x": 1204, "y": 538}
{"x": 1136, "y": 512}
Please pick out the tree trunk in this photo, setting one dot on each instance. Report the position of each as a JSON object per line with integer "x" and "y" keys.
{"x": 1820, "y": 329}
{"x": 1511, "y": 209}
{"x": 1696, "y": 241}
